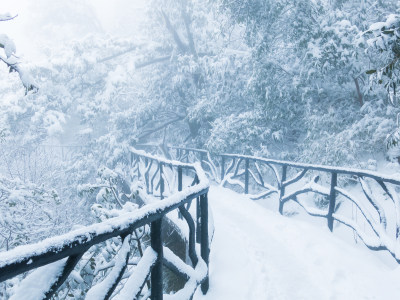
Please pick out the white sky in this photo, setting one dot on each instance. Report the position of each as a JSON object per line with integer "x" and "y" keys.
{"x": 40, "y": 22}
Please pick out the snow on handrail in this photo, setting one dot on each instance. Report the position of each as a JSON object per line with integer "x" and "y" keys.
{"x": 324, "y": 168}
{"x": 74, "y": 244}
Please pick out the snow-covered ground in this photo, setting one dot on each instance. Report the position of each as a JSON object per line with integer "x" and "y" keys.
{"x": 259, "y": 254}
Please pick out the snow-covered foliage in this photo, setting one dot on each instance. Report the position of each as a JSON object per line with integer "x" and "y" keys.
{"x": 28, "y": 213}
{"x": 11, "y": 60}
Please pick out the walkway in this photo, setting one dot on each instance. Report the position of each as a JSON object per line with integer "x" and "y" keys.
{"x": 258, "y": 254}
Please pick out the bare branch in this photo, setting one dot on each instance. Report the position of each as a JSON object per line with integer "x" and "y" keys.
{"x": 186, "y": 19}
{"x": 359, "y": 94}
{"x": 7, "y": 17}
{"x": 117, "y": 54}
{"x": 152, "y": 61}
{"x": 157, "y": 128}
{"x": 376, "y": 205}
{"x": 174, "y": 33}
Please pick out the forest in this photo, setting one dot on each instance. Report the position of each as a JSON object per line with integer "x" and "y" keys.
{"x": 310, "y": 81}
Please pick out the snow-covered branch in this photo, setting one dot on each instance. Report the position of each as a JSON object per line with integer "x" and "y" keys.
{"x": 7, "y": 17}
{"x": 10, "y": 59}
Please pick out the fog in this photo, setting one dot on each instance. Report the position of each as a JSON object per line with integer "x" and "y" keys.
{"x": 52, "y": 23}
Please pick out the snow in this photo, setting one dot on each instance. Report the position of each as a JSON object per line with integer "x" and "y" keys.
{"x": 259, "y": 254}
{"x": 177, "y": 262}
{"x": 196, "y": 276}
{"x": 100, "y": 290}
{"x": 36, "y": 284}
{"x": 138, "y": 278}
{"x": 8, "y": 44}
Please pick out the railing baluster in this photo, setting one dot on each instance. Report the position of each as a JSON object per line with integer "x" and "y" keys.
{"x": 282, "y": 188}
{"x": 198, "y": 217}
{"x": 246, "y": 177}
{"x": 187, "y": 161}
{"x": 138, "y": 167}
{"x": 332, "y": 201}
{"x": 222, "y": 167}
{"x": 205, "y": 251}
{"x": 192, "y": 233}
{"x": 161, "y": 182}
{"x": 179, "y": 186}
{"x": 179, "y": 179}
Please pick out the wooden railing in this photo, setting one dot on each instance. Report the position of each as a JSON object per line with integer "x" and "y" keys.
{"x": 365, "y": 201}
{"x": 59, "y": 255}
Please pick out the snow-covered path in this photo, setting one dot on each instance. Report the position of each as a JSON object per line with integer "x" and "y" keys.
{"x": 258, "y": 254}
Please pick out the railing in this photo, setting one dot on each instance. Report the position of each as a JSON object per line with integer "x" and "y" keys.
{"x": 59, "y": 255}
{"x": 365, "y": 201}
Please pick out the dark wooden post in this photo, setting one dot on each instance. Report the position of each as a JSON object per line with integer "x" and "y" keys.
{"x": 205, "y": 251}
{"x": 246, "y": 177}
{"x": 179, "y": 179}
{"x": 222, "y": 167}
{"x": 161, "y": 181}
{"x": 138, "y": 166}
{"x": 187, "y": 161}
{"x": 282, "y": 188}
{"x": 146, "y": 176}
{"x": 156, "y": 272}
{"x": 180, "y": 186}
{"x": 332, "y": 201}
{"x": 198, "y": 217}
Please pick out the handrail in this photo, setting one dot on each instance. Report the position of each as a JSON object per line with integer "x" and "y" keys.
{"x": 370, "y": 195}
{"x": 73, "y": 245}
{"x": 338, "y": 170}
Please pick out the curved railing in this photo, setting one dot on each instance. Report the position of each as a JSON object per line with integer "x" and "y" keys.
{"x": 365, "y": 201}
{"x": 58, "y": 256}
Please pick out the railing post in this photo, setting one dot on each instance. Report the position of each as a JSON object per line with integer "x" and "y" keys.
{"x": 222, "y": 167}
{"x": 198, "y": 217}
{"x": 246, "y": 177}
{"x": 179, "y": 179}
{"x": 161, "y": 182}
{"x": 282, "y": 188}
{"x": 146, "y": 176}
{"x": 156, "y": 272}
{"x": 180, "y": 186}
{"x": 205, "y": 251}
{"x": 138, "y": 167}
{"x": 332, "y": 201}
{"x": 187, "y": 161}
